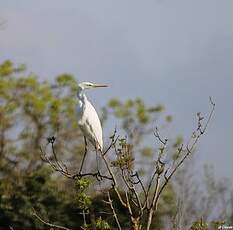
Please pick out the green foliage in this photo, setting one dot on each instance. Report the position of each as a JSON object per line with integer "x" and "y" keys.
{"x": 114, "y": 103}
{"x": 107, "y": 216}
{"x": 20, "y": 195}
{"x": 217, "y": 224}
{"x": 66, "y": 80}
{"x": 102, "y": 224}
{"x": 6, "y": 68}
{"x": 166, "y": 208}
{"x": 199, "y": 225}
{"x": 134, "y": 110}
{"x": 31, "y": 111}
{"x": 137, "y": 120}
{"x": 83, "y": 200}
{"x": 42, "y": 110}
{"x": 124, "y": 159}
{"x": 204, "y": 225}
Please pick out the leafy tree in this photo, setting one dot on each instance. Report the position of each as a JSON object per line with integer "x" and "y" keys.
{"x": 33, "y": 194}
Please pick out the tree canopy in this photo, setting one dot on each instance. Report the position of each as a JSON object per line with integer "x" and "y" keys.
{"x": 32, "y": 112}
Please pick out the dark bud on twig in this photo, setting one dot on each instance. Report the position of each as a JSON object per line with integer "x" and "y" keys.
{"x": 51, "y": 140}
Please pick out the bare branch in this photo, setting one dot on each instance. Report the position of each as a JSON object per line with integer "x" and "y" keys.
{"x": 66, "y": 173}
{"x": 161, "y": 176}
{"x": 153, "y": 205}
{"x": 47, "y": 223}
{"x": 97, "y": 175}
{"x": 114, "y": 185}
{"x": 157, "y": 135}
{"x": 131, "y": 188}
{"x": 189, "y": 148}
{"x": 113, "y": 142}
{"x": 113, "y": 211}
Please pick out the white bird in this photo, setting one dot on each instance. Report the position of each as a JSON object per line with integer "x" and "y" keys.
{"x": 88, "y": 119}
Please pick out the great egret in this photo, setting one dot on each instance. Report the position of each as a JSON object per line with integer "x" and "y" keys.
{"x": 88, "y": 119}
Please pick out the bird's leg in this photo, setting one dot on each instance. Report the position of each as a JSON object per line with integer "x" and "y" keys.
{"x": 97, "y": 160}
{"x": 85, "y": 153}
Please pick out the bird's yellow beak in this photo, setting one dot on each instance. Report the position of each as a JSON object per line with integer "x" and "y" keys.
{"x": 100, "y": 85}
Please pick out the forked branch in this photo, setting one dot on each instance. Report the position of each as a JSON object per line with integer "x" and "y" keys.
{"x": 139, "y": 199}
{"x": 47, "y": 223}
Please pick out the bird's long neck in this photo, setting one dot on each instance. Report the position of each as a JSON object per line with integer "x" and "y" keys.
{"x": 81, "y": 97}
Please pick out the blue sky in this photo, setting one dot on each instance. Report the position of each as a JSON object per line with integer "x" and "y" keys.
{"x": 177, "y": 53}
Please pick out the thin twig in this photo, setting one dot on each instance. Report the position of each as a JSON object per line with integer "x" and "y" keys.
{"x": 113, "y": 211}
{"x": 113, "y": 142}
{"x": 189, "y": 149}
{"x": 114, "y": 185}
{"x": 153, "y": 203}
{"x": 97, "y": 175}
{"x": 47, "y": 223}
{"x": 66, "y": 173}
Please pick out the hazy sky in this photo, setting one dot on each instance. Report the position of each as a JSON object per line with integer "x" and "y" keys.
{"x": 174, "y": 52}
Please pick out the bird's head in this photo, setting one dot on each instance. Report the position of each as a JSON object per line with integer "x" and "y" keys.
{"x": 89, "y": 85}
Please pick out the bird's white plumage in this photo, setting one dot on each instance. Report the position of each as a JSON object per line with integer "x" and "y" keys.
{"x": 88, "y": 119}
{"x": 90, "y": 125}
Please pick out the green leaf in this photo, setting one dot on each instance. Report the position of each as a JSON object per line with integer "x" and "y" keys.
{"x": 6, "y": 68}
{"x": 158, "y": 108}
{"x": 113, "y": 103}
